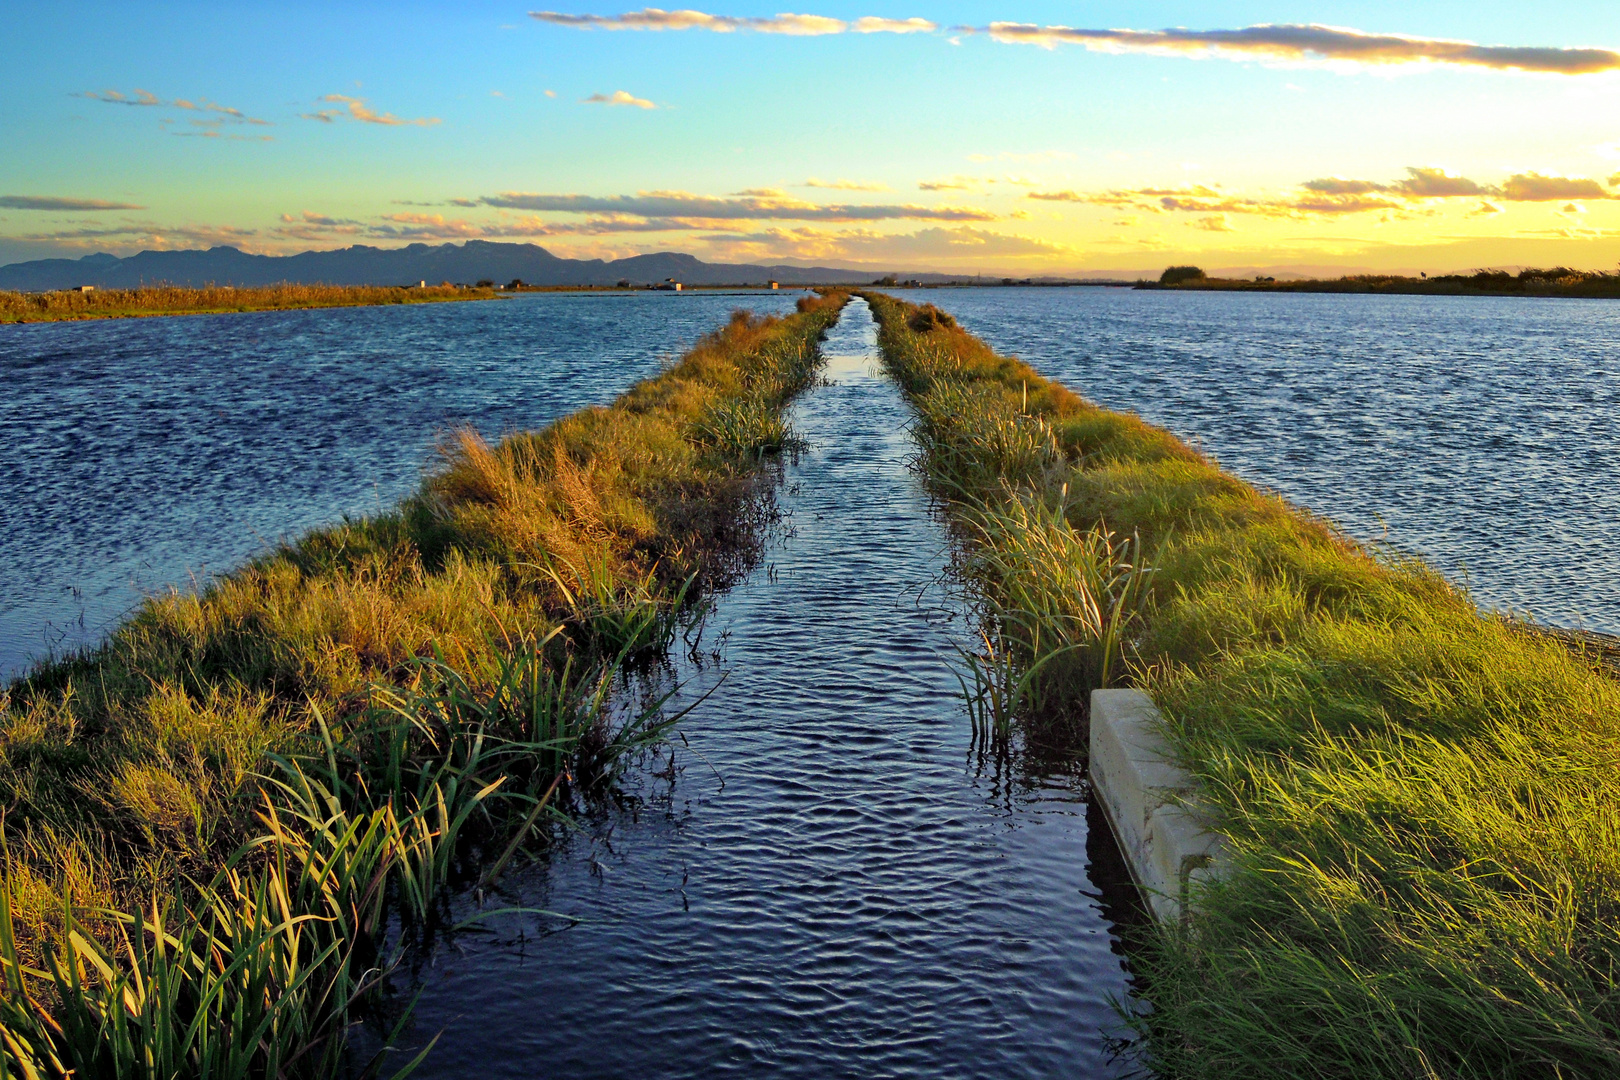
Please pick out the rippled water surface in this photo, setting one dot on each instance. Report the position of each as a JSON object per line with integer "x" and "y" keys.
{"x": 1480, "y": 433}
{"x": 831, "y": 883}
{"x": 135, "y": 454}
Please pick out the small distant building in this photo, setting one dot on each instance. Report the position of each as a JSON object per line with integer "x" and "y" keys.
{"x": 669, "y": 285}
{"x": 83, "y": 288}
{"x": 421, "y": 284}
{"x": 776, "y": 284}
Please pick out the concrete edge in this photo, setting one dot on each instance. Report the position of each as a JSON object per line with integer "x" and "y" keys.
{"x": 1150, "y": 802}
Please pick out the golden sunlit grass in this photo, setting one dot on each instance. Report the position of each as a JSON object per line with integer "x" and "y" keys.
{"x": 1422, "y": 803}
{"x": 222, "y": 807}
{"x": 183, "y": 300}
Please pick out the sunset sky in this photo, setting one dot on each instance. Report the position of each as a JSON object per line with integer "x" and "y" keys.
{"x": 1007, "y": 137}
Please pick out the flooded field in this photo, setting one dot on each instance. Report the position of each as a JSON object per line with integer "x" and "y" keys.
{"x": 139, "y": 454}
{"x": 1482, "y": 434}
{"x": 825, "y": 876}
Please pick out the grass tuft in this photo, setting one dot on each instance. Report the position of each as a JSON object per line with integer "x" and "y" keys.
{"x": 215, "y": 817}
{"x": 1422, "y": 801}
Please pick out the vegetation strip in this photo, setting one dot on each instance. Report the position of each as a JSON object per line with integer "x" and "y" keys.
{"x": 1422, "y": 804}
{"x": 1555, "y": 281}
{"x": 66, "y": 305}
{"x": 322, "y": 742}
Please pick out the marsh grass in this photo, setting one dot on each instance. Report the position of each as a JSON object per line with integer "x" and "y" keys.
{"x": 212, "y": 818}
{"x": 184, "y": 300}
{"x": 1422, "y": 803}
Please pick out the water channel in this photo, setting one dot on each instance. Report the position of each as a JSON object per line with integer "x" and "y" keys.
{"x": 830, "y": 881}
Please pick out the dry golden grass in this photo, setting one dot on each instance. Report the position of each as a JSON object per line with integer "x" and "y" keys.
{"x": 1422, "y": 802}
{"x": 136, "y": 765}
{"x": 184, "y": 300}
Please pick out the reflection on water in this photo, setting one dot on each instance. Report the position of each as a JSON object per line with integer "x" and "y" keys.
{"x": 829, "y": 883}
{"x": 1482, "y": 433}
{"x": 137, "y": 453}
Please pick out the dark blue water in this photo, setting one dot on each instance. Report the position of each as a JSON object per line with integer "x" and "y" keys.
{"x": 1480, "y": 433}
{"x": 830, "y": 882}
{"x": 139, "y": 454}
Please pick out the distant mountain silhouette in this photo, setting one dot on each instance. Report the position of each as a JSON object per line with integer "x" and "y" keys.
{"x": 360, "y": 265}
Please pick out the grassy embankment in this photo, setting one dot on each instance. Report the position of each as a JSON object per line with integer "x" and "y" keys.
{"x": 220, "y": 825}
{"x": 16, "y": 307}
{"x": 1557, "y": 281}
{"x": 1423, "y": 802}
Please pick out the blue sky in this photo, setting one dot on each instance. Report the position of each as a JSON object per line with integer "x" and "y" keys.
{"x": 956, "y": 150}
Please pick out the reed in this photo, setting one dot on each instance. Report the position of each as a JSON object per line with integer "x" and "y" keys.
{"x": 20, "y": 307}
{"x": 1420, "y": 801}
{"x": 333, "y": 735}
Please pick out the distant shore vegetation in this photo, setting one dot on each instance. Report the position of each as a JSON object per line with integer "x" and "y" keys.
{"x": 1553, "y": 281}
{"x": 66, "y": 304}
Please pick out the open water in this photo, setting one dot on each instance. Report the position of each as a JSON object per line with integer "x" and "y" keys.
{"x": 136, "y": 454}
{"x": 831, "y": 881}
{"x": 1482, "y": 433}
{"x": 828, "y": 880}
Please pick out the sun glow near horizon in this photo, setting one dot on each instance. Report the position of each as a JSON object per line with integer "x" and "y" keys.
{"x": 969, "y": 140}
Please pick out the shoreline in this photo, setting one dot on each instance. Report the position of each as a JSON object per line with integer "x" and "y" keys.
{"x": 18, "y": 308}
{"x": 1413, "y": 801}
{"x": 1573, "y": 285}
{"x": 290, "y": 769}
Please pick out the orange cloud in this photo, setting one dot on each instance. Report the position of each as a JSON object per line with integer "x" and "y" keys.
{"x": 960, "y": 244}
{"x": 356, "y": 109}
{"x": 1533, "y": 187}
{"x": 1312, "y": 44}
{"x": 759, "y": 204}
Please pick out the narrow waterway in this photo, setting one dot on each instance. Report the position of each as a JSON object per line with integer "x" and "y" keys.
{"x": 830, "y": 882}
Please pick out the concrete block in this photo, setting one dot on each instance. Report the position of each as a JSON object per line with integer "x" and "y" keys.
{"x": 1150, "y": 802}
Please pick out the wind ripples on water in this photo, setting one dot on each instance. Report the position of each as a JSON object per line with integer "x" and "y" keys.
{"x": 1481, "y": 433}
{"x": 831, "y": 884}
{"x": 136, "y": 454}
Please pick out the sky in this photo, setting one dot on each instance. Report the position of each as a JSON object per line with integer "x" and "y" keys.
{"x": 1003, "y": 137}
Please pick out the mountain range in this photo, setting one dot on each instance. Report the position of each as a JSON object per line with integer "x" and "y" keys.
{"x": 475, "y": 260}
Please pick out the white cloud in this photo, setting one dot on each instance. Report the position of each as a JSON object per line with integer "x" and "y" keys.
{"x": 619, "y": 97}
{"x": 659, "y": 19}
{"x": 145, "y": 98}
{"x": 871, "y": 24}
{"x": 845, "y": 185}
{"x": 357, "y": 109}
